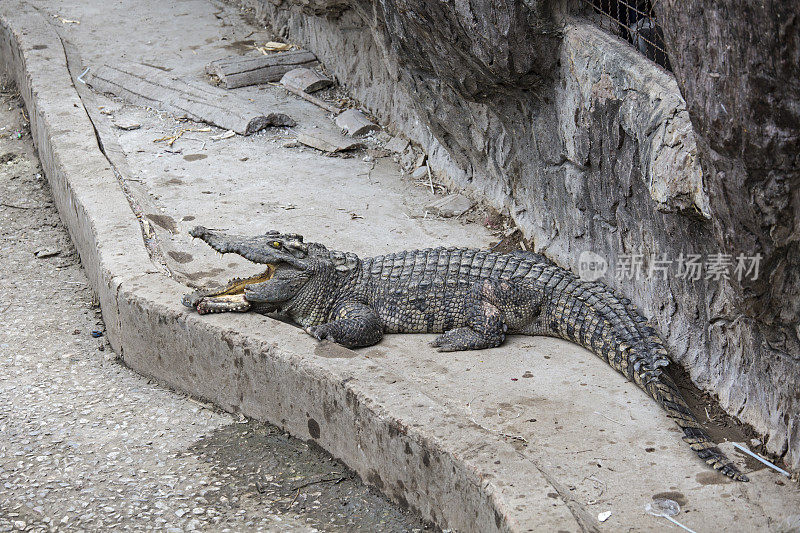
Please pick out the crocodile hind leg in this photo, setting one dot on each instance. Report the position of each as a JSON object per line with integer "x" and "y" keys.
{"x": 354, "y": 325}
{"x": 493, "y": 308}
{"x": 467, "y": 338}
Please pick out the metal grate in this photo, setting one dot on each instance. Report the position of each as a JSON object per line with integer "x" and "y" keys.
{"x": 634, "y": 21}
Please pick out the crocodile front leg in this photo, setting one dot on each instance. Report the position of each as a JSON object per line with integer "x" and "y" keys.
{"x": 354, "y": 325}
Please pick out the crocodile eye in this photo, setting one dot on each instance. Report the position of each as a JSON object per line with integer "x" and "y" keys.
{"x": 276, "y": 244}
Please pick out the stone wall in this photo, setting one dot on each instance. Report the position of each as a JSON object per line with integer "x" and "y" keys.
{"x": 584, "y": 142}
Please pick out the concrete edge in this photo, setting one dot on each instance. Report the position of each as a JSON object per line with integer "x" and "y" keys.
{"x": 424, "y": 456}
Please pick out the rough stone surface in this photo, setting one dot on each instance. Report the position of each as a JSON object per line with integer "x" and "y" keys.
{"x": 305, "y": 79}
{"x": 238, "y": 71}
{"x": 590, "y": 147}
{"x": 451, "y": 205}
{"x": 149, "y": 86}
{"x": 354, "y": 122}
{"x": 741, "y": 78}
{"x": 397, "y": 144}
{"x": 328, "y": 143}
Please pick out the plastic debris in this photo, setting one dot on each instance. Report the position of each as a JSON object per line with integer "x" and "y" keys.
{"x": 667, "y": 509}
{"x": 97, "y": 333}
{"x": 602, "y": 517}
{"x": 662, "y": 507}
{"x": 66, "y": 21}
{"x": 82, "y": 74}
{"x": 758, "y": 457}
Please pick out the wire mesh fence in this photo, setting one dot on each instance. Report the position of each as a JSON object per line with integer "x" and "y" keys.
{"x": 634, "y": 21}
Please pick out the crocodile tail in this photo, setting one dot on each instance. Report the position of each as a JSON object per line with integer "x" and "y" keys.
{"x": 663, "y": 389}
{"x": 594, "y": 316}
{"x": 666, "y": 393}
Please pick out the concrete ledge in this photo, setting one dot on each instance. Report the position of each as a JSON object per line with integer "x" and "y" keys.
{"x": 424, "y": 455}
{"x": 601, "y": 158}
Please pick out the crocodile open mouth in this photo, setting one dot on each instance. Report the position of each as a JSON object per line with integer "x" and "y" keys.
{"x": 231, "y": 297}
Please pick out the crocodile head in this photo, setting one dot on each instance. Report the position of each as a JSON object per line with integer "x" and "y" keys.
{"x": 272, "y": 248}
{"x": 288, "y": 260}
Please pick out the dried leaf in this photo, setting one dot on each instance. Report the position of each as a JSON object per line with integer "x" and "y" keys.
{"x": 273, "y": 46}
{"x": 170, "y": 140}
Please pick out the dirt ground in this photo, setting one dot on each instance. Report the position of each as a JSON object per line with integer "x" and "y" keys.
{"x": 87, "y": 444}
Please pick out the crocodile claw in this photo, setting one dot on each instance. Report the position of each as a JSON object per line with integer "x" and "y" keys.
{"x": 320, "y": 333}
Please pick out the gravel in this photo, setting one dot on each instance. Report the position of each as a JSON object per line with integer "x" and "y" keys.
{"x": 87, "y": 444}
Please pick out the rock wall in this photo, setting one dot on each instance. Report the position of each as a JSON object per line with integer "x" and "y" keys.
{"x": 590, "y": 148}
{"x": 741, "y": 77}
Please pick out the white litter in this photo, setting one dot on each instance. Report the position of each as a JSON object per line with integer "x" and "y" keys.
{"x": 82, "y": 74}
{"x": 227, "y": 135}
{"x": 754, "y": 456}
{"x": 667, "y": 509}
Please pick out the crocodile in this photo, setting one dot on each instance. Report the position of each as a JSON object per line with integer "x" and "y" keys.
{"x": 472, "y": 298}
